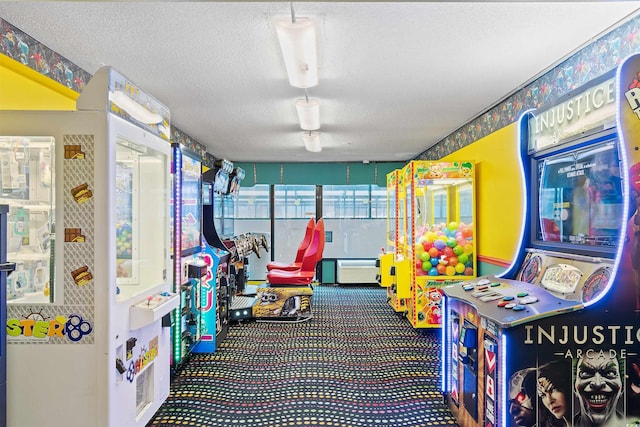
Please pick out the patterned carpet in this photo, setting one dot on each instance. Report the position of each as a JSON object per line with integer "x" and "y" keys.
{"x": 355, "y": 364}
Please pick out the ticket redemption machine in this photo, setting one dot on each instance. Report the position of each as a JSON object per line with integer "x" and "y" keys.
{"x": 562, "y": 321}
{"x": 190, "y": 272}
{"x": 440, "y": 201}
{"x": 393, "y": 267}
{"x": 89, "y": 229}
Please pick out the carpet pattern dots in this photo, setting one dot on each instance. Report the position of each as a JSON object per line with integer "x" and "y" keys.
{"x": 355, "y": 364}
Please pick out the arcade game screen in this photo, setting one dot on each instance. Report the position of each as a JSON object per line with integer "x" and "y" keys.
{"x": 191, "y": 205}
{"x": 580, "y": 199}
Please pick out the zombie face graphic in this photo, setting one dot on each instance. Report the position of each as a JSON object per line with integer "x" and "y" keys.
{"x": 598, "y": 386}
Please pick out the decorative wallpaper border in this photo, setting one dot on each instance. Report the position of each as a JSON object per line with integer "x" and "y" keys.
{"x": 589, "y": 63}
{"x": 23, "y": 48}
{"x": 594, "y": 60}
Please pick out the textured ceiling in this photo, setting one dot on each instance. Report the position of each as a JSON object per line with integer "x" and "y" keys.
{"x": 395, "y": 78}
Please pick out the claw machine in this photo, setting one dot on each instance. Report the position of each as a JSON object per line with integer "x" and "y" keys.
{"x": 387, "y": 253}
{"x": 89, "y": 230}
{"x": 393, "y": 268}
{"x": 440, "y": 232}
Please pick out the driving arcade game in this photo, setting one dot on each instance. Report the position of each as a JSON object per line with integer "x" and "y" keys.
{"x": 89, "y": 230}
{"x": 241, "y": 247}
{"x": 218, "y": 228}
{"x": 555, "y": 338}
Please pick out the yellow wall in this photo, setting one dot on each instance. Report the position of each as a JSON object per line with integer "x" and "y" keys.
{"x": 499, "y": 192}
{"x": 22, "y": 88}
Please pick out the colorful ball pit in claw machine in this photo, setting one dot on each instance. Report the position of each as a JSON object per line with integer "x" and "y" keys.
{"x": 440, "y": 232}
{"x": 393, "y": 267}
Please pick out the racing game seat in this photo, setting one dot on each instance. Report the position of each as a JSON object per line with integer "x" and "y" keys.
{"x": 307, "y": 270}
{"x": 302, "y": 248}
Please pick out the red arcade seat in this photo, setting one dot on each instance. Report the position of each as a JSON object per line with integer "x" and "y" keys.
{"x": 312, "y": 256}
{"x": 302, "y": 248}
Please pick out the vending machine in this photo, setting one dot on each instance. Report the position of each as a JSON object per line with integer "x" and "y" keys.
{"x": 554, "y": 339}
{"x": 440, "y": 233}
{"x": 89, "y": 229}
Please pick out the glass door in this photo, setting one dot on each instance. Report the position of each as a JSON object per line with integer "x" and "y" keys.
{"x": 26, "y": 186}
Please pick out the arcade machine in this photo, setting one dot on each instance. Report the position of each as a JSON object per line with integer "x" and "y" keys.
{"x": 555, "y": 338}
{"x": 440, "y": 230}
{"x": 239, "y": 246}
{"x": 393, "y": 267}
{"x": 221, "y": 231}
{"x": 215, "y": 298}
{"x": 89, "y": 226}
{"x": 5, "y": 269}
{"x": 189, "y": 264}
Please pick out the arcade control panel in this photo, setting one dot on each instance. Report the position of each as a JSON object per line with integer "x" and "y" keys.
{"x": 509, "y": 302}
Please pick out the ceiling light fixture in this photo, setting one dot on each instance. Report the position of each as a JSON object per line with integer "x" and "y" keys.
{"x": 312, "y": 141}
{"x": 308, "y": 113}
{"x": 297, "y": 39}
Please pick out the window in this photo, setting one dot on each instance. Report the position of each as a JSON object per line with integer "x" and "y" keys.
{"x": 354, "y": 201}
{"x": 294, "y": 201}
{"x": 253, "y": 202}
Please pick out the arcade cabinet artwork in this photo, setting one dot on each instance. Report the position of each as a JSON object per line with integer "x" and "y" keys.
{"x": 555, "y": 339}
{"x": 89, "y": 229}
{"x": 215, "y": 304}
{"x": 440, "y": 200}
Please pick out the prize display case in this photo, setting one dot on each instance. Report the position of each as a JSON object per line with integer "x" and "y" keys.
{"x": 26, "y": 177}
{"x": 89, "y": 213}
{"x": 440, "y": 233}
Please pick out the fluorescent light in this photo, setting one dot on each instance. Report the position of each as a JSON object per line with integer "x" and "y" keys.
{"x": 134, "y": 109}
{"x": 312, "y": 141}
{"x": 308, "y": 113}
{"x": 298, "y": 44}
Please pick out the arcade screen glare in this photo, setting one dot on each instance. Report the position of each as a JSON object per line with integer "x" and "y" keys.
{"x": 580, "y": 198}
